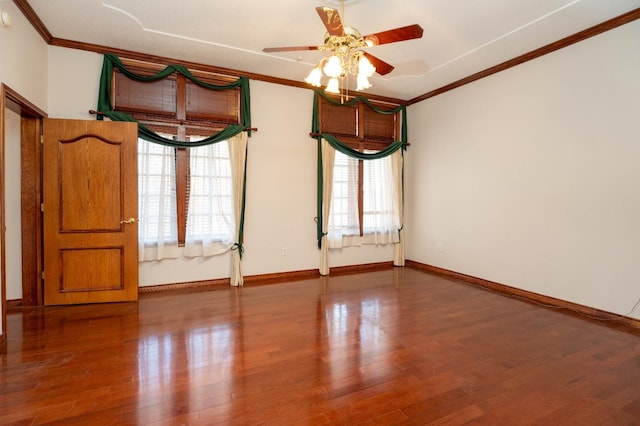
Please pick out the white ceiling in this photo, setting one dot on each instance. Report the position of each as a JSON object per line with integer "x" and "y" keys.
{"x": 461, "y": 37}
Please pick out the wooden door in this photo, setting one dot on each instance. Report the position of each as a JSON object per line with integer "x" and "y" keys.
{"x": 90, "y": 185}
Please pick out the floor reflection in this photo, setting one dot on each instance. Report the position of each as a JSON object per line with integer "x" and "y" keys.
{"x": 212, "y": 364}
{"x": 191, "y": 368}
{"x": 357, "y": 339}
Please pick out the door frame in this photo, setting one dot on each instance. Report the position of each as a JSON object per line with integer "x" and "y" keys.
{"x": 31, "y": 195}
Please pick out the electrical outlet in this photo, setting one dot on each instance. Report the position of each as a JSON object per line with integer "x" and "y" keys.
{"x": 284, "y": 251}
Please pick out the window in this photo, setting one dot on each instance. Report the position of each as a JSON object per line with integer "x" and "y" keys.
{"x": 363, "y": 202}
{"x": 210, "y": 193}
{"x": 210, "y": 224}
{"x": 208, "y": 219}
{"x": 185, "y": 194}
{"x": 379, "y": 214}
{"x": 157, "y": 209}
{"x": 363, "y": 199}
{"x": 344, "y": 218}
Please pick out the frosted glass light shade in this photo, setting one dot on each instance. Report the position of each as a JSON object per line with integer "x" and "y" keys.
{"x": 333, "y": 86}
{"x": 333, "y": 67}
{"x": 363, "y": 82}
{"x": 314, "y": 77}
{"x": 365, "y": 67}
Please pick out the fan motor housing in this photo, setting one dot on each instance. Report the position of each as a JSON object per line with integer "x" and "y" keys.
{"x": 351, "y": 38}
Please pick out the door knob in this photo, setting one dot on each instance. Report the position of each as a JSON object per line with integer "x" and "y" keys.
{"x": 129, "y": 221}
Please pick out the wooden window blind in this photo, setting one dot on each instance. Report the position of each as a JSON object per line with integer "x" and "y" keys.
{"x": 359, "y": 123}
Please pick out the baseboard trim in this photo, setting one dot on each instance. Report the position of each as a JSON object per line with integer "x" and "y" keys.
{"x": 306, "y": 274}
{"x": 183, "y": 286}
{"x": 14, "y": 305}
{"x": 262, "y": 279}
{"x": 358, "y": 269}
{"x": 251, "y": 280}
{"x": 547, "y": 301}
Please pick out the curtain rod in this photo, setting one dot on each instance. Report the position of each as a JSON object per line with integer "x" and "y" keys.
{"x": 316, "y": 135}
{"x": 94, "y": 112}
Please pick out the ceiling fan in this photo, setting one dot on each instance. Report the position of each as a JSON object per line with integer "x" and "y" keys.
{"x": 346, "y": 43}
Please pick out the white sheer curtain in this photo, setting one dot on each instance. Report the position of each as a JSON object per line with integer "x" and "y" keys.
{"x": 210, "y": 218}
{"x": 380, "y": 214}
{"x": 343, "y": 229}
{"x": 238, "y": 154}
{"x": 397, "y": 167}
{"x": 157, "y": 227}
{"x": 380, "y": 202}
{"x": 328, "y": 157}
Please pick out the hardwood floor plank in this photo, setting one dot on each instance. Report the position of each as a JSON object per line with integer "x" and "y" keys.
{"x": 390, "y": 347}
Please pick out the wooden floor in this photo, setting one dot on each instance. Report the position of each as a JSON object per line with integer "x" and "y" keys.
{"x": 390, "y": 347}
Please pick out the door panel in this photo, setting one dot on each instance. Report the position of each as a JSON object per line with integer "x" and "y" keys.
{"x": 102, "y": 187}
{"x": 100, "y": 267}
{"x": 90, "y": 205}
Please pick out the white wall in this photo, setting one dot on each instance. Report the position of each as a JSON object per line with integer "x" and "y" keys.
{"x": 281, "y": 178}
{"x": 24, "y": 58}
{"x": 73, "y": 77}
{"x": 531, "y": 177}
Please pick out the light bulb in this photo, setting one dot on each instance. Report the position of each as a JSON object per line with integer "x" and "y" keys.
{"x": 314, "y": 77}
{"x": 333, "y": 86}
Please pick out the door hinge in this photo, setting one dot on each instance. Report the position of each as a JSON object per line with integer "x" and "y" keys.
{"x": 42, "y": 207}
{"x": 42, "y": 275}
{"x": 41, "y": 138}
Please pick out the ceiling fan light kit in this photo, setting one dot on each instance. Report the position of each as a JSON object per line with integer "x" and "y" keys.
{"x": 340, "y": 65}
{"x": 347, "y": 57}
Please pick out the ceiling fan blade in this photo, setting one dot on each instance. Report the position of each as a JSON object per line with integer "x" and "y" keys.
{"x": 391, "y": 36}
{"x": 289, "y": 49}
{"x": 331, "y": 20}
{"x": 382, "y": 67}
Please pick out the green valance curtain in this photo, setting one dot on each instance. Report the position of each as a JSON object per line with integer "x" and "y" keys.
{"x": 347, "y": 150}
{"x": 106, "y": 109}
